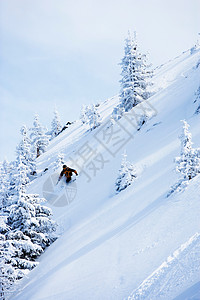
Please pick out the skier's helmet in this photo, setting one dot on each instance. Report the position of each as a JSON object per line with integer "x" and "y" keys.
{"x": 64, "y": 166}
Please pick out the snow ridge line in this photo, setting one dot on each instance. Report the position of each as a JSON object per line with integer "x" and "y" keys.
{"x": 160, "y": 283}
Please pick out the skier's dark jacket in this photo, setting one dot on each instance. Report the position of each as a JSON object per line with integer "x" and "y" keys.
{"x": 68, "y": 173}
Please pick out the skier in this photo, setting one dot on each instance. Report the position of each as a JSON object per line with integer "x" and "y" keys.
{"x": 68, "y": 173}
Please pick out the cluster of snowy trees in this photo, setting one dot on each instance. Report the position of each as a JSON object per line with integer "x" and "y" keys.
{"x": 33, "y": 143}
{"x": 36, "y": 139}
{"x": 188, "y": 163}
{"x": 135, "y": 78}
{"x": 26, "y": 225}
{"x": 40, "y": 137}
{"x": 26, "y": 229}
{"x": 90, "y": 116}
{"x": 59, "y": 161}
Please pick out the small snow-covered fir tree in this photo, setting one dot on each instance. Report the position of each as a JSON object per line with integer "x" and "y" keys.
{"x": 4, "y": 186}
{"x": 188, "y": 164}
{"x": 117, "y": 113}
{"x": 90, "y": 116}
{"x": 83, "y": 114}
{"x": 6, "y": 166}
{"x": 127, "y": 174}
{"x": 135, "y": 76}
{"x": 59, "y": 161}
{"x": 8, "y": 275}
{"x": 93, "y": 117}
{"x": 56, "y": 126}
{"x": 197, "y": 100}
{"x": 7, "y": 182}
{"x": 38, "y": 137}
{"x": 25, "y": 152}
{"x": 19, "y": 177}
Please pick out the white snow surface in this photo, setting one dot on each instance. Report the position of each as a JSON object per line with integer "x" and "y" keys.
{"x": 137, "y": 244}
{"x": 179, "y": 269}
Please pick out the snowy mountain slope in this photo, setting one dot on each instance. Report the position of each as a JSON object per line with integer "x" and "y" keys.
{"x": 172, "y": 272}
{"x": 112, "y": 243}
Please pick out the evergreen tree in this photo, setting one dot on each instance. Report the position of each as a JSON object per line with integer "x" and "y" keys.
{"x": 59, "y": 161}
{"x": 7, "y": 272}
{"x": 127, "y": 174}
{"x": 6, "y": 166}
{"x": 56, "y": 126}
{"x": 31, "y": 230}
{"x": 19, "y": 177}
{"x": 135, "y": 77}
{"x": 5, "y": 172}
{"x": 13, "y": 166}
{"x": 2, "y": 186}
{"x": 83, "y": 114}
{"x": 197, "y": 100}
{"x": 93, "y": 117}
{"x": 28, "y": 228}
{"x": 117, "y": 113}
{"x": 38, "y": 137}
{"x": 188, "y": 164}
{"x": 90, "y": 116}
{"x": 24, "y": 150}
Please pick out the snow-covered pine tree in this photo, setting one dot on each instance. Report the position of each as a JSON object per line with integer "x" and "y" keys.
{"x": 38, "y": 137}
{"x": 93, "y": 117}
{"x": 59, "y": 161}
{"x": 20, "y": 178}
{"x": 31, "y": 230}
{"x": 135, "y": 79}
{"x": 6, "y": 165}
{"x": 127, "y": 174}
{"x": 14, "y": 181}
{"x": 197, "y": 100}
{"x": 2, "y": 186}
{"x": 83, "y": 114}
{"x": 89, "y": 115}
{"x": 33, "y": 220}
{"x": 8, "y": 274}
{"x": 117, "y": 113}
{"x": 7, "y": 182}
{"x": 188, "y": 164}
{"x": 25, "y": 152}
{"x": 56, "y": 126}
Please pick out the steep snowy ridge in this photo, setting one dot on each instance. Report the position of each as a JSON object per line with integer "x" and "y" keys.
{"x": 110, "y": 242}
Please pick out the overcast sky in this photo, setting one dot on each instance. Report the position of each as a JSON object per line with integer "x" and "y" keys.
{"x": 66, "y": 53}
